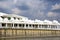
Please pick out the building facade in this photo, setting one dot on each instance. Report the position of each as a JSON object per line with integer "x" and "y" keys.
{"x": 18, "y": 26}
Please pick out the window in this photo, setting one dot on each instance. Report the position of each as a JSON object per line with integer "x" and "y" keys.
{"x": 58, "y": 26}
{"x": 35, "y": 26}
{"x": 20, "y": 25}
{"x": 29, "y": 25}
{"x": 53, "y": 26}
{"x": 18, "y": 18}
{"x": 9, "y": 25}
{"x": 44, "y": 26}
{"x": 14, "y": 18}
{"x": 3, "y": 24}
{"x": 15, "y": 25}
{"x": 9, "y": 18}
{"x": 39, "y": 26}
{"x": 26, "y": 25}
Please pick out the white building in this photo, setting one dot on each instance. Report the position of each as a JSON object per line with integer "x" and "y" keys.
{"x": 20, "y": 22}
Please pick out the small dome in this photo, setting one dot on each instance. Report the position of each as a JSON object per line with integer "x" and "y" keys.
{"x": 47, "y": 21}
{"x": 12, "y": 18}
{"x": 55, "y": 21}
{"x": 17, "y": 19}
{"x": 36, "y": 20}
{"x": 5, "y": 19}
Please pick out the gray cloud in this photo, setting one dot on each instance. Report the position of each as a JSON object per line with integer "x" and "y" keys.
{"x": 54, "y": 13}
{"x": 34, "y": 9}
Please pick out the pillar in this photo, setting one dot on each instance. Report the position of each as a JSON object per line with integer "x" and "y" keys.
{"x": 6, "y": 25}
{"x": 38, "y": 25}
{"x": 24, "y": 25}
{"x": 18, "y": 25}
{"x": 13, "y": 25}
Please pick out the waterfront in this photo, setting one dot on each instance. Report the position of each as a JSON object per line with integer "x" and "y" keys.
{"x": 40, "y": 38}
{"x": 29, "y": 34}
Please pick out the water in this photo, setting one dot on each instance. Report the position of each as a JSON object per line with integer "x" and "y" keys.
{"x": 38, "y": 38}
{"x": 26, "y": 34}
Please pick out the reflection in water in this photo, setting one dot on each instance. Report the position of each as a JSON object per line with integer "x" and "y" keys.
{"x": 41, "y": 38}
{"x": 29, "y": 34}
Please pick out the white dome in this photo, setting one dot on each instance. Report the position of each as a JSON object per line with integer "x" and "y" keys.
{"x": 12, "y": 18}
{"x": 55, "y": 21}
{"x": 17, "y": 19}
{"x": 5, "y": 19}
{"x": 41, "y": 21}
{"x": 30, "y": 21}
{"x": 47, "y": 21}
{"x": 36, "y": 20}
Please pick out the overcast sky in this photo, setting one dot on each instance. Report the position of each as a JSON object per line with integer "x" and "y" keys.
{"x": 33, "y": 9}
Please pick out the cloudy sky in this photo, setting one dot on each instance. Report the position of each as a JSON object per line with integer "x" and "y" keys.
{"x": 33, "y": 9}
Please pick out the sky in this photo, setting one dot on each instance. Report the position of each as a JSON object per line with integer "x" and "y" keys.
{"x": 33, "y": 9}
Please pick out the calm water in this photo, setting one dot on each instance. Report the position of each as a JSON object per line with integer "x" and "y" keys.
{"x": 13, "y": 34}
{"x": 40, "y": 38}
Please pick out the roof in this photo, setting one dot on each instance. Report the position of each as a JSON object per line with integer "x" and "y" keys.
{"x": 25, "y": 19}
{"x": 2, "y": 14}
{"x": 11, "y": 15}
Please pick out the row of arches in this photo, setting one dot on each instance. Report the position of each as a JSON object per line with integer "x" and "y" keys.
{"x": 9, "y": 18}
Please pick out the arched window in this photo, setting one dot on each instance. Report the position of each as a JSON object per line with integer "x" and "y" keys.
{"x": 44, "y": 26}
{"x": 15, "y": 25}
{"x": 9, "y": 18}
{"x": 14, "y": 17}
{"x": 26, "y": 25}
{"x": 29, "y": 25}
{"x": 3, "y": 24}
{"x": 18, "y": 18}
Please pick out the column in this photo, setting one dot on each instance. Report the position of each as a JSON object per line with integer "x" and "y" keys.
{"x": 48, "y": 26}
{"x": 28, "y": 25}
{"x": 38, "y": 25}
{"x": 0, "y": 25}
{"x": 58, "y": 27}
{"x": 31, "y": 25}
{"x": 41, "y": 25}
{"x": 13, "y": 25}
{"x": 6, "y": 25}
{"x": 18, "y": 25}
{"x": 24, "y": 25}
